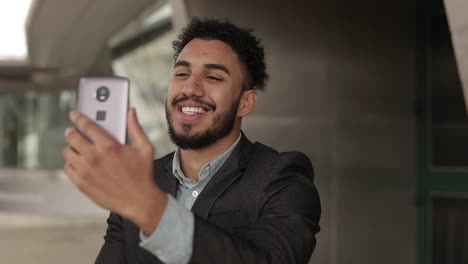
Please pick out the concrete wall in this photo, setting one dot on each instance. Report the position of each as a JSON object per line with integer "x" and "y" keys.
{"x": 341, "y": 90}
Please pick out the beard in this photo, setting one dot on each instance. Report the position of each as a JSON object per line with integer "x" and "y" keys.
{"x": 222, "y": 125}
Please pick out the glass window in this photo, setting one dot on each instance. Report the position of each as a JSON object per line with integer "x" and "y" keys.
{"x": 32, "y": 134}
{"x": 33, "y": 123}
{"x": 449, "y": 230}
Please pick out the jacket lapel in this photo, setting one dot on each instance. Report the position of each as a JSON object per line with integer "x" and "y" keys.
{"x": 163, "y": 176}
{"x": 231, "y": 170}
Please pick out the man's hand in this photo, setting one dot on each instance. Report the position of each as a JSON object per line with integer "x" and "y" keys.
{"x": 116, "y": 177}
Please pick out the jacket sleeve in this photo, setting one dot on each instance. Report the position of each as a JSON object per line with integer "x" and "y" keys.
{"x": 112, "y": 252}
{"x": 286, "y": 226}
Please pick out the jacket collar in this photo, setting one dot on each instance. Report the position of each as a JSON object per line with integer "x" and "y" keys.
{"x": 227, "y": 174}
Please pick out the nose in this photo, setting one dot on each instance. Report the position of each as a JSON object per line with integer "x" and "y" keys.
{"x": 193, "y": 87}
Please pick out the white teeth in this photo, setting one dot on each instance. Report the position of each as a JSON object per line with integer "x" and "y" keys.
{"x": 192, "y": 110}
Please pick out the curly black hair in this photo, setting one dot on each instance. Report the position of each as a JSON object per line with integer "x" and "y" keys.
{"x": 241, "y": 40}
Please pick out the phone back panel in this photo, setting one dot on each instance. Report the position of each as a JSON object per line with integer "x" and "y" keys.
{"x": 110, "y": 114}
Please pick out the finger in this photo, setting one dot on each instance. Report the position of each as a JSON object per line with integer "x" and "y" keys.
{"x": 76, "y": 140}
{"x": 135, "y": 131}
{"x": 77, "y": 178}
{"x": 88, "y": 127}
{"x": 73, "y": 175}
{"x": 72, "y": 158}
{"x": 69, "y": 169}
{"x": 71, "y": 172}
{"x": 81, "y": 182}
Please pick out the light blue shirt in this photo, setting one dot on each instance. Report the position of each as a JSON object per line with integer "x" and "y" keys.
{"x": 172, "y": 240}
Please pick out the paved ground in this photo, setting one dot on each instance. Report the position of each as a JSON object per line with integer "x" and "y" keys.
{"x": 45, "y": 220}
{"x": 51, "y": 243}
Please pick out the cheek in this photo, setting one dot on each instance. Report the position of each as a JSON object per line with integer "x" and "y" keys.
{"x": 224, "y": 104}
{"x": 171, "y": 92}
{"x": 225, "y": 95}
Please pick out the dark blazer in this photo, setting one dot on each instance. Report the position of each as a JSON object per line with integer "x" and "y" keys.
{"x": 260, "y": 207}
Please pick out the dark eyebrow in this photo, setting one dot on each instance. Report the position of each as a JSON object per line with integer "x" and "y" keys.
{"x": 217, "y": 67}
{"x": 182, "y": 63}
{"x": 208, "y": 66}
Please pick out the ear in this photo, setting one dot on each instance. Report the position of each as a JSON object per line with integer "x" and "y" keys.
{"x": 247, "y": 103}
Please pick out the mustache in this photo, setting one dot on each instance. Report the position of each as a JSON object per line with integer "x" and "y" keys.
{"x": 196, "y": 100}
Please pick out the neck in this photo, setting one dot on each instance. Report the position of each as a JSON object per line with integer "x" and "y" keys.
{"x": 192, "y": 160}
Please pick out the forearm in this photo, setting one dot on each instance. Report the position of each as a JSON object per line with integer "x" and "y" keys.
{"x": 147, "y": 213}
{"x": 172, "y": 240}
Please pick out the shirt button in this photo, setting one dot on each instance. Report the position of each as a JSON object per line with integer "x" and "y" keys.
{"x": 194, "y": 193}
{"x": 158, "y": 252}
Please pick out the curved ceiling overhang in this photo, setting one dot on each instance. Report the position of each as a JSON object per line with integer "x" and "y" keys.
{"x": 70, "y": 35}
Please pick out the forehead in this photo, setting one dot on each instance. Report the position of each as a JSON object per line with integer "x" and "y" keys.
{"x": 210, "y": 51}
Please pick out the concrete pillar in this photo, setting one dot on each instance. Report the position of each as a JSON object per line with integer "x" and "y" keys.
{"x": 341, "y": 90}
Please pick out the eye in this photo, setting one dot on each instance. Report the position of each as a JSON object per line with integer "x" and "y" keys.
{"x": 181, "y": 75}
{"x": 214, "y": 78}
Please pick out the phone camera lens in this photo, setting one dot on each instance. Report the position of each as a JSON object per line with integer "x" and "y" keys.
{"x": 102, "y": 93}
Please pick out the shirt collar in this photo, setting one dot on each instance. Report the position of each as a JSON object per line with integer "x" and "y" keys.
{"x": 207, "y": 171}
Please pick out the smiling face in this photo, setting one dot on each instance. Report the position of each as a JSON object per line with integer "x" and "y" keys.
{"x": 204, "y": 95}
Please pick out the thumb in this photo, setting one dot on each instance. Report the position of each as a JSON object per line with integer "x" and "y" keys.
{"x": 136, "y": 133}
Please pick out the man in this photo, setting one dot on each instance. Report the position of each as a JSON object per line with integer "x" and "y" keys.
{"x": 219, "y": 198}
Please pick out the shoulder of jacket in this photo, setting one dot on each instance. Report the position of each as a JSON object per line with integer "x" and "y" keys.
{"x": 260, "y": 149}
{"x": 264, "y": 149}
{"x": 269, "y": 158}
{"x": 166, "y": 158}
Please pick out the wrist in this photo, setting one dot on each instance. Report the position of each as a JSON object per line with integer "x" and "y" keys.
{"x": 152, "y": 208}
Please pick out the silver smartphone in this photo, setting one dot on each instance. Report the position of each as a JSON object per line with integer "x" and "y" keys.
{"x": 105, "y": 101}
